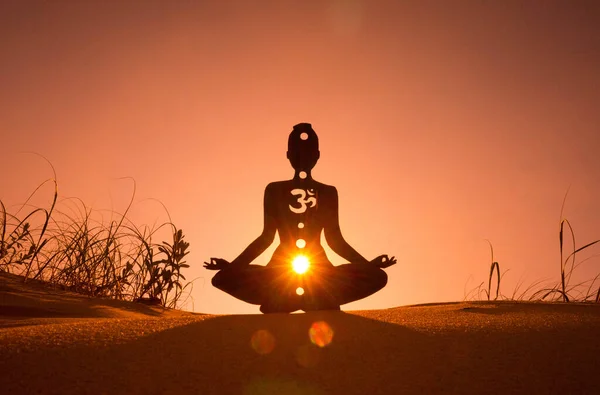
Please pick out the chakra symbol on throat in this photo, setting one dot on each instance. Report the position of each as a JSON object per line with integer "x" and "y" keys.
{"x": 306, "y": 199}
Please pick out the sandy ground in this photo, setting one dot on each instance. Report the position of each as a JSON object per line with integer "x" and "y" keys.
{"x": 59, "y": 343}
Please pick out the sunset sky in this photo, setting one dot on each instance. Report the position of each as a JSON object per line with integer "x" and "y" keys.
{"x": 441, "y": 123}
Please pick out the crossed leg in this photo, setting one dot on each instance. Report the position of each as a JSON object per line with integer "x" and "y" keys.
{"x": 274, "y": 288}
{"x": 271, "y": 287}
{"x": 334, "y": 286}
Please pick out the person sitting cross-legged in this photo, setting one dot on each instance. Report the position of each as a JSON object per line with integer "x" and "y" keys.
{"x": 299, "y": 275}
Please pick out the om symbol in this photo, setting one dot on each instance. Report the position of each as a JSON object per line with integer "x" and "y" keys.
{"x": 303, "y": 201}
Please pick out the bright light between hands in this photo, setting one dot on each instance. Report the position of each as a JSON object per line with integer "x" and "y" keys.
{"x": 300, "y": 264}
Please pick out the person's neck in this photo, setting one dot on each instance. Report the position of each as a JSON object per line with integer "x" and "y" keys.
{"x": 297, "y": 175}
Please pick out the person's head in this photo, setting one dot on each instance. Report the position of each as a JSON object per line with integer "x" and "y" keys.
{"x": 303, "y": 147}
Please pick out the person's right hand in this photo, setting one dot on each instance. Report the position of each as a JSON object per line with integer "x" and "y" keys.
{"x": 216, "y": 264}
{"x": 383, "y": 261}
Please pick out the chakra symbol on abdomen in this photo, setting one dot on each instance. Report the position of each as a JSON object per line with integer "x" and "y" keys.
{"x": 304, "y": 201}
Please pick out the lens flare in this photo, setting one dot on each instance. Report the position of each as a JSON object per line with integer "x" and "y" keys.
{"x": 320, "y": 334}
{"x": 262, "y": 342}
{"x": 307, "y": 355}
{"x": 300, "y": 291}
{"x": 300, "y": 264}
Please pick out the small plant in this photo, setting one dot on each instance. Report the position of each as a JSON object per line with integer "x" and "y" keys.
{"x": 12, "y": 250}
{"x": 77, "y": 249}
{"x": 563, "y": 289}
{"x": 164, "y": 275}
{"x": 565, "y": 275}
{"x": 493, "y": 266}
{"x": 476, "y": 292}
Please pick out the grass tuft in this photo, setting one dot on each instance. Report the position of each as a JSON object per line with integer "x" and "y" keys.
{"x": 493, "y": 266}
{"x": 74, "y": 247}
{"x": 561, "y": 291}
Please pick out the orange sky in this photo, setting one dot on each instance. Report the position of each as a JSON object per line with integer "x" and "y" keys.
{"x": 442, "y": 124}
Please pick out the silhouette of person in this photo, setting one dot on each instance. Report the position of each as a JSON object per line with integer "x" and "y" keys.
{"x": 299, "y": 210}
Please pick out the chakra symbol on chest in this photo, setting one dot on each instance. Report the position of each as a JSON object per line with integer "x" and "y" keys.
{"x": 305, "y": 198}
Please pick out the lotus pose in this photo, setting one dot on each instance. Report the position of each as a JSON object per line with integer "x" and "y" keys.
{"x": 299, "y": 276}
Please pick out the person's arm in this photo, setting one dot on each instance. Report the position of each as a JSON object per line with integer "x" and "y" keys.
{"x": 267, "y": 236}
{"x": 333, "y": 233}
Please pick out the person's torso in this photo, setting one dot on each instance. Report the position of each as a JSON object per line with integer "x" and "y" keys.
{"x": 301, "y": 209}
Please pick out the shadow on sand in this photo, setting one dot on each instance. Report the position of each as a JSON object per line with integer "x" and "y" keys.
{"x": 365, "y": 356}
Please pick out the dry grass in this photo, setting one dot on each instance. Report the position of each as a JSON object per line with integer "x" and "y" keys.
{"x": 560, "y": 291}
{"x": 69, "y": 244}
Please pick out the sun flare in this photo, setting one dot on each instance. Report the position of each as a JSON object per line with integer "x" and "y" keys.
{"x": 300, "y": 264}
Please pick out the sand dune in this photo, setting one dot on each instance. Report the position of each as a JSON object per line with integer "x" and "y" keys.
{"x": 60, "y": 343}
{"x": 25, "y": 303}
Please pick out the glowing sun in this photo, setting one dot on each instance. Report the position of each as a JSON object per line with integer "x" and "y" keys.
{"x": 300, "y": 264}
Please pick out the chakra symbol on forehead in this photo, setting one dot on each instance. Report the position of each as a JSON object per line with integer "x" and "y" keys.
{"x": 304, "y": 201}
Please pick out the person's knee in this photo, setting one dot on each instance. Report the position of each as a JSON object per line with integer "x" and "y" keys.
{"x": 374, "y": 278}
{"x": 380, "y": 278}
{"x": 217, "y": 280}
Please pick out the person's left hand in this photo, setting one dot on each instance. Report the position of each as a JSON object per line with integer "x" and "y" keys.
{"x": 216, "y": 264}
{"x": 383, "y": 261}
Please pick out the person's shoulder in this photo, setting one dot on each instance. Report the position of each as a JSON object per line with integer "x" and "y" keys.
{"x": 327, "y": 189}
{"x": 275, "y": 185}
